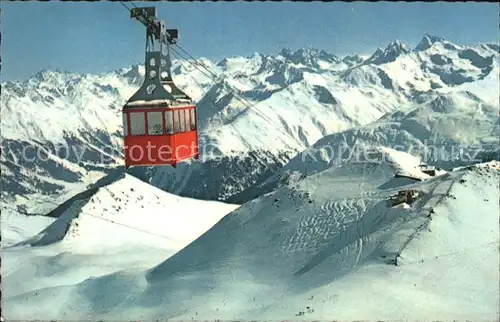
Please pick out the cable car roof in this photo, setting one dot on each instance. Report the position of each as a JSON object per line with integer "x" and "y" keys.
{"x": 160, "y": 102}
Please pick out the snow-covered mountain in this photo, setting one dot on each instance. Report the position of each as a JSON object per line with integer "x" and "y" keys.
{"x": 115, "y": 206}
{"x": 310, "y": 250}
{"x": 123, "y": 217}
{"x": 68, "y": 126}
{"x": 443, "y": 129}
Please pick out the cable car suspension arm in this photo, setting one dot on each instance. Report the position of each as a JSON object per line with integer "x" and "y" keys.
{"x": 146, "y": 17}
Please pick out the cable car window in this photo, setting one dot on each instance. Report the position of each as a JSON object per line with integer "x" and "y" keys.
{"x": 186, "y": 116}
{"x": 125, "y": 124}
{"x": 176, "y": 121}
{"x": 182, "y": 121}
{"x": 169, "y": 122}
{"x": 137, "y": 123}
{"x": 155, "y": 123}
{"x": 193, "y": 119}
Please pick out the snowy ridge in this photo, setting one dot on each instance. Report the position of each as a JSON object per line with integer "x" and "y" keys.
{"x": 295, "y": 98}
{"x": 120, "y": 202}
{"x": 302, "y": 252}
{"x": 125, "y": 222}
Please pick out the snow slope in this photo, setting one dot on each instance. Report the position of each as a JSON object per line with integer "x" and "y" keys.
{"x": 318, "y": 246}
{"x": 125, "y": 224}
{"x": 443, "y": 129}
{"x": 70, "y": 124}
{"x": 121, "y": 202}
{"x": 16, "y": 227}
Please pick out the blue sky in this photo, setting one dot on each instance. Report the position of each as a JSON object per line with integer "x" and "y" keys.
{"x": 97, "y": 37}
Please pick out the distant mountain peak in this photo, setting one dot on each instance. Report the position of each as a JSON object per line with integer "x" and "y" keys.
{"x": 353, "y": 59}
{"x": 397, "y": 46}
{"x": 427, "y": 41}
{"x": 286, "y": 52}
{"x": 393, "y": 50}
{"x": 308, "y": 56}
{"x": 45, "y": 74}
{"x": 223, "y": 62}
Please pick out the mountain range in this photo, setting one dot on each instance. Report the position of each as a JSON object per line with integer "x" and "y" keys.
{"x": 62, "y": 131}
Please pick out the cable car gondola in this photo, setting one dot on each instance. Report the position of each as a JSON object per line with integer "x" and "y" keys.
{"x": 159, "y": 120}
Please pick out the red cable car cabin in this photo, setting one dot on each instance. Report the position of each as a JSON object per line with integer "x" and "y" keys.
{"x": 159, "y": 120}
{"x": 158, "y": 134}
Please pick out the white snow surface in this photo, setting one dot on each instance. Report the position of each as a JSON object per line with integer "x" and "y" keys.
{"x": 110, "y": 218}
{"x": 16, "y": 227}
{"x": 123, "y": 224}
{"x": 328, "y": 242}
